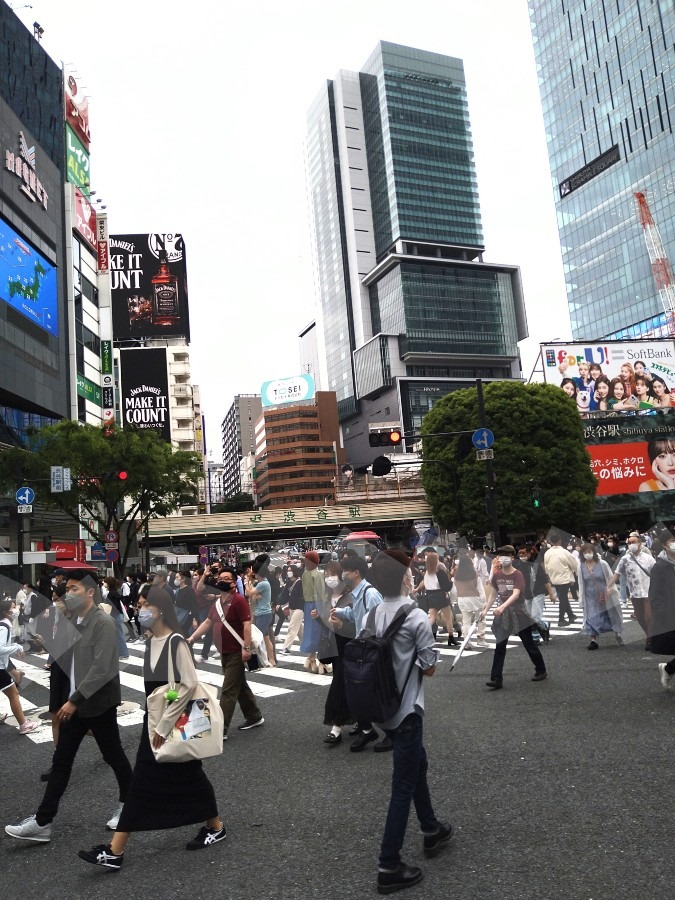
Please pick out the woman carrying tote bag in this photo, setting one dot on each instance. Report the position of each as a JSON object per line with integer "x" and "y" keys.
{"x": 167, "y": 794}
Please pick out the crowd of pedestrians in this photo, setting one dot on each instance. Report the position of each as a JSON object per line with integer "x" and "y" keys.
{"x": 326, "y": 604}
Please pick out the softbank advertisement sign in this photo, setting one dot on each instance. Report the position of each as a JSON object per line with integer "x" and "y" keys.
{"x": 287, "y": 390}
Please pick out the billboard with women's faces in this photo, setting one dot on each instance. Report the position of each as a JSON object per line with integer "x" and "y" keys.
{"x": 614, "y": 377}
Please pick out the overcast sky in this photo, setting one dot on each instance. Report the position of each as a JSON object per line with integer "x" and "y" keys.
{"x": 198, "y": 114}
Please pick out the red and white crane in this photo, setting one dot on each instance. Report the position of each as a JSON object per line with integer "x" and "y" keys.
{"x": 661, "y": 267}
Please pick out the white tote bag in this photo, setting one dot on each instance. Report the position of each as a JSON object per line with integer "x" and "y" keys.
{"x": 198, "y": 730}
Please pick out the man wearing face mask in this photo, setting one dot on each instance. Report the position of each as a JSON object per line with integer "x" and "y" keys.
{"x": 95, "y": 694}
{"x": 508, "y": 586}
{"x": 293, "y": 596}
{"x": 636, "y": 566}
{"x": 662, "y": 603}
{"x": 562, "y": 568}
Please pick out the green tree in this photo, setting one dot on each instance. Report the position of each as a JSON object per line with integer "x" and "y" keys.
{"x": 159, "y": 478}
{"x": 538, "y": 452}
{"x": 239, "y": 502}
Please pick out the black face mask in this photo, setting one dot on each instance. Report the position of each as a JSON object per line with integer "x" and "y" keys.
{"x": 225, "y": 585}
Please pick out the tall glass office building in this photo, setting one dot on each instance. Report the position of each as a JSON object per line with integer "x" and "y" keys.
{"x": 607, "y": 87}
{"x": 408, "y": 309}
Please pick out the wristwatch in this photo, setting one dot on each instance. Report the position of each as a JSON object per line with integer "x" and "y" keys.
{"x": 248, "y": 649}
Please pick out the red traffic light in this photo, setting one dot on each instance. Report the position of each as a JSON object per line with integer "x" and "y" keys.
{"x": 122, "y": 476}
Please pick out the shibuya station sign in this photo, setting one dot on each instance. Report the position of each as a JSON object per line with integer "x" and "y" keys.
{"x": 22, "y": 164}
{"x": 287, "y": 390}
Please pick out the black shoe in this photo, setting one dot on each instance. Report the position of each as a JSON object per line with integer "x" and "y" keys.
{"x": 102, "y": 855}
{"x": 363, "y": 740}
{"x": 539, "y": 676}
{"x": 332, "y": 739}
{"x": 403, "y": 877}
{"x": 452, "y": 641}
{"x": 572, "y": 620}
{"x": 562, "y": 624}
{"x": 495, "y": 685}
{"x": 545, "y": 633}
{"x": 433, "y": 842}
{"x": 593, "y": 645}
{"x": 383, "y": 745}
{"x": 458, "y": 629}
{"x": 205, "y": 837}
{"x": 251, "y": 724}
{"x": 46, "y": 775}
{"x": 354, "y": 731}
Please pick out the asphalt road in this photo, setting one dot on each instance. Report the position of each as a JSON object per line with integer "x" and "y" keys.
{"x": 559, "y": 789}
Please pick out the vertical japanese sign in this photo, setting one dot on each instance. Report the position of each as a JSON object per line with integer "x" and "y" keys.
{"x": 107, "y": 380}
{"x": 102, "y": 247}
{"x": 144, "y": 395}
{"x": 77, "y": 162}
{"x": 85, "y": 218}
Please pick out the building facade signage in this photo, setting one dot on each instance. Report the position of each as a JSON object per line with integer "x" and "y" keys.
{"x": 77, "y": 111}
{"x": 287, "y": 390}
{"x": 22, "y": 164}
{"x": 88, "y": 390}
{"x": 77, "y": 162}
{"x": 589, "y": 172}
{"x": 85, "y": 218}
{"x": 148, "y": 284}
{"x": 145, "y": 390}
{"x": 102, "y": 246}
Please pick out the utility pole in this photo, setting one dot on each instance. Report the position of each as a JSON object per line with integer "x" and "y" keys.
{"x": 491, "y": 495}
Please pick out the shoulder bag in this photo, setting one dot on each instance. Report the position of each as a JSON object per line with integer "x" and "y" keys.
{"x": 198, "y": 730}
{"x": 259, "y": 652}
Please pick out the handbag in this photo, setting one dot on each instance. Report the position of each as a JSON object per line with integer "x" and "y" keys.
{"x": 198, "y": 730}
{"x": 259, "y": 653}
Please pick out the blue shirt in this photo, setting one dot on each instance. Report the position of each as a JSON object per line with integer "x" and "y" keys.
{"x": 263, "y": 605}
{"x": 365, "y": 597}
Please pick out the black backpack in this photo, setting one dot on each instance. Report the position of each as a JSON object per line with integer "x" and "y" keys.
{"x": 370, "y": 681}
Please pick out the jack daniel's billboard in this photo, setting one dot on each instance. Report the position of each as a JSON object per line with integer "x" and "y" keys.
{"x": 149, "y": 286}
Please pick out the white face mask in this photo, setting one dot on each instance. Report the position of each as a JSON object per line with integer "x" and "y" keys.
{"x": 634, "y": 548}
{"x": 588, "y": 556}
{"x": 505, "y": 561}
{"x": 332, "y": 581}
{"x": 289, "y": 574}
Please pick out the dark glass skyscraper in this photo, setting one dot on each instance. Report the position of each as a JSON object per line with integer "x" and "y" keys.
{"x": 408, "y": 310}
{"x": 606, "y": 78}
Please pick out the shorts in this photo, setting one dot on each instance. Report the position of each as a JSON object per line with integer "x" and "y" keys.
{"x": 6, "y": 680}
{"x": 435, "y": 600}
{"x": 264, "y": 621}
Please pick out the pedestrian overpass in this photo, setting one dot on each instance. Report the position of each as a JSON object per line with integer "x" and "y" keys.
{"x": 293, "y": 523}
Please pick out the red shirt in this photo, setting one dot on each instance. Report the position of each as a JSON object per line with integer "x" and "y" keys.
{"x": 236, "y": 611}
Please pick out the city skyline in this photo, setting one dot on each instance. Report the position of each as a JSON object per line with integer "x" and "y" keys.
{"x": 241, "y": 203}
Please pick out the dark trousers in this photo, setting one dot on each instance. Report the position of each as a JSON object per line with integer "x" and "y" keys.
{"x": 235, "y": 688}
{"x": 564, "y": 608}
{"x": 670, "y": 667}
{"x": 408, "y": 784}
{"x": 71, "y": 733}
{"x": 280, "y": 622}
{"x": 208, "y": 637}
{"x": 532, "y": 651}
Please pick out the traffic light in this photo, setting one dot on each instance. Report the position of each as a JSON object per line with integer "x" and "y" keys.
{"x": 536, "y": 499}
{"x": 114, "y": 476}
{"x": 385, "y": 437}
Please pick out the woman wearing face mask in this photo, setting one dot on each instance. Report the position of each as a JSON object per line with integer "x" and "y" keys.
{"x": 599, "y": 598}
{"x": 296, "y": 608}
{"x": 163, "y": 795}
{"x": 9, "y": 648}
{"x": 336, "y": 713}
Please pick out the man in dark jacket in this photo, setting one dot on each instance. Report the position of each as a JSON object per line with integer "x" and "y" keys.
{"x": 92, "y": 705}
{"x": 662, "y": 603}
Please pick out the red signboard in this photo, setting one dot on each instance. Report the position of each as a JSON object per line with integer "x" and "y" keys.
{"x": 77, "y": 111}
{"x": 102, "y": 245}
{"x": 64, "y": 549}
{"x": 634, "y": 467}
{"x": 85, "y": 219}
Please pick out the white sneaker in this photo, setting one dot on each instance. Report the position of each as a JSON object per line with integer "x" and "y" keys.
{"x": 482, "y": 644}
{"x": 29, "y": 830}
{"x": 666, "y": 679}
{"x": 112, "y": 823}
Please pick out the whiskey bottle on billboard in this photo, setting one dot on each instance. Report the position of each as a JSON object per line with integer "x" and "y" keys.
{"x": 165, "y": 311}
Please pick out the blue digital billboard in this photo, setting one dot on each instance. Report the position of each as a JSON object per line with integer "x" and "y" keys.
{"x": 27, "y": 280}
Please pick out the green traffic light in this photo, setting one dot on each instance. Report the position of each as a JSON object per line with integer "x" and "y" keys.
{"x": 536, "y": 503}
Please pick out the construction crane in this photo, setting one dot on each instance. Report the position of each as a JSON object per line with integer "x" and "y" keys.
{"x": 661, "y": 267}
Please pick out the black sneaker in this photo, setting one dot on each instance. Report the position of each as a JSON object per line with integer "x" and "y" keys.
{"x": 102, "y": 855}
{"x": 46, "y": 775}
{"x": 205, "y": 837}
{"x": 494, "y": 684}
{"x": 539, "y": 676}
{"x": 383, "y": 745}
{"x": 251, "y": 724}
{"x": 363, "y": 740}
{"x": 403, "y": 877}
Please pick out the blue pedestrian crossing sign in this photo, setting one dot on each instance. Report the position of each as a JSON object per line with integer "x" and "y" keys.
{"x": 25, "y": 496}
{"x": 482, "y": 439}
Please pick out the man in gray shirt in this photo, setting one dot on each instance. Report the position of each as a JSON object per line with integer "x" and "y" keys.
{"x": 413, "y": 657}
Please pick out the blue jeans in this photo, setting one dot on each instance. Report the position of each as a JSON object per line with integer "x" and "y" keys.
{"x": 408, "y": 784}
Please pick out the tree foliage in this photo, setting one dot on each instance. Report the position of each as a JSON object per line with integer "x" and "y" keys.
{"x": 239, "y": 502}
{"x": 159, "y": 479}
{"x": 538, "y": 444}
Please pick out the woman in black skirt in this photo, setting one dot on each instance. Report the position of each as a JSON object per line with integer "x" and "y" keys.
{"x": 336, "y": 713}
{"x": 167, "y": 794}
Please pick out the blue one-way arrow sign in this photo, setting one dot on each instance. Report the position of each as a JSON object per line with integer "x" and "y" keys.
{"x": 25, "y": 496}
{"x": 482, "y": 439}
